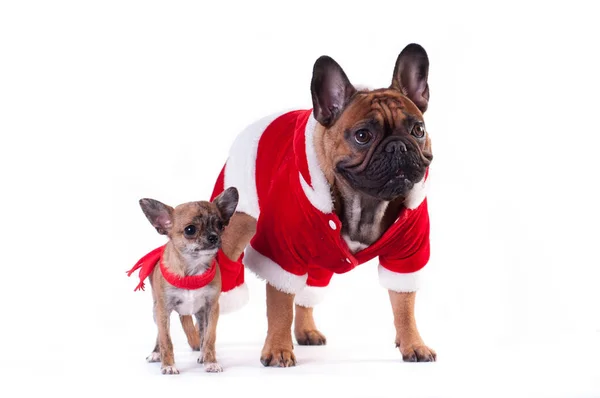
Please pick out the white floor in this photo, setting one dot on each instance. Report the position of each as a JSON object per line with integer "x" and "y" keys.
{"x": 364, "y": 369}
{"x": 105, "y": 355}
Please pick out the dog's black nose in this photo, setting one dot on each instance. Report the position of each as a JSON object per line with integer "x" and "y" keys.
{"x": 213, "y": 238}
{"x": 394, "y": 146}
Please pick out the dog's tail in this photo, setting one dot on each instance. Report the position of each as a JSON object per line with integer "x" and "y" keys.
{"x": 191, "y": 331}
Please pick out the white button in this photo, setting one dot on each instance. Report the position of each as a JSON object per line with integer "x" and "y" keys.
{"x": 332, "y": 224}
{"x": 348, "y": 260}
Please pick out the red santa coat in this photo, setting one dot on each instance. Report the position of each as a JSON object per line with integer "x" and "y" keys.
{"x": 298, "y": 244}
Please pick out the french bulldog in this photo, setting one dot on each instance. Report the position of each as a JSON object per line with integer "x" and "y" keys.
{"x": 326, "y": 189}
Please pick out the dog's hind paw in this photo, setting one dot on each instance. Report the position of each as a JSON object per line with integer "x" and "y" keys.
{"x": 169, "y": 370}
{"x": 213, "y": 367}
{"x": 154, "y": 357}
{"x": 310, "y": 337}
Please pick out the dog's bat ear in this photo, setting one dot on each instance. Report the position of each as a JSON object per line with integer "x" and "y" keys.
{"x": 227, "y": 202}
{"x": 330, "y": 89}
{"x": 410, "y": 75}
{"x": 159, "y": 215}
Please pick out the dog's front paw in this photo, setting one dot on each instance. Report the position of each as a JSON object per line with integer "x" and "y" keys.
{"x": 277, "y": 357}
{"x": 212, "y": 367}
{"x": 417, "y": 353}
{"x": 310, "y": 337}
{"x": 154, "y": 357}
{"x": 169, "y": 370}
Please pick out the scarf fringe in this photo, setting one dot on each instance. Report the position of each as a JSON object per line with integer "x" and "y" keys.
{"x": 146, "y": 264}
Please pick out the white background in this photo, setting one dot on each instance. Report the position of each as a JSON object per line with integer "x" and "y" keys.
{"x": 102, "y": 103}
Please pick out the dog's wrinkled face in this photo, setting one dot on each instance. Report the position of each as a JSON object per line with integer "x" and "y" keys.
{"x": 385, "y": 142}
{"x": 376, "y": 141}
{"x": 194, "y": 228}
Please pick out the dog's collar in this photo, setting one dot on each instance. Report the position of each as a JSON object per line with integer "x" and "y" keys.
{"x": 147, "y": 263}
{"x": 188, "y": 282}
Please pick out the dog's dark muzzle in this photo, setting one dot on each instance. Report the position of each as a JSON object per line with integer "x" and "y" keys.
{"x": 393, "y": 169}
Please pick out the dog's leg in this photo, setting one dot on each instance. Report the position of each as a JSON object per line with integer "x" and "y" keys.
{"x": 191, "y": 331}
{"x": 408, "y": 338}
{"x": 201, "y": 322}
{"x": 238, "y": 233}
{"x": 164, "y": 339}
{"x": 278, "y": 348}
{"x": 305, "y": 330}
{"x": 208, "y": 356}
{"x": 155, "y": 354}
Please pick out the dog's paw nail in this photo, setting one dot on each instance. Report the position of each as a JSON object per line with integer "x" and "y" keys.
{"x": 410, "y": 358}
{"x": 213, "y": 367}
{"x": 288, "y": 363}
{"x": 169, "y": 370}
{"x": 200, "y": 360}
{"x": 154, "y": 357}
{"x": 266, "y": 360}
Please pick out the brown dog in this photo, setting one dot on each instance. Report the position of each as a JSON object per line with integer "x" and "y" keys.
{"x": 327, "y": 189}
{"x": 187, "y": 278}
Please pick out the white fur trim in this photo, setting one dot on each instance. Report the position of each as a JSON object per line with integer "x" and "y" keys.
{"x": 399, "y": 282}
{"x": 319, "y": 195}
{"x": 417, "y": 194}
{"x": 234, "y": 299}
{"x": 240, "y": 168}
{"x": 310, "y": 296}
{"x": 267, "y": 269}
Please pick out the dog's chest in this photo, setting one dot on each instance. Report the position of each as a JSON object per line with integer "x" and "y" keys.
{"x": 361, "y": 222}
{"x": 189, "y": 302}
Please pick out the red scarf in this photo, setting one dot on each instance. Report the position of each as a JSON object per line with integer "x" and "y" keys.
{"x": 147, "y": 263}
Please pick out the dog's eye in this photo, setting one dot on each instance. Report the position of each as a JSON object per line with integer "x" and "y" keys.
{"x": 363, "y": 136}
{"x": 190, "y": 230}
{"x": 418, "y": 130}
{"x": 220, "y": 225}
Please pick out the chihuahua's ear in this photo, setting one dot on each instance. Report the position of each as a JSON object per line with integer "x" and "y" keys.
{"x": 159, "y": 214}
{"x": 227, "y": 202}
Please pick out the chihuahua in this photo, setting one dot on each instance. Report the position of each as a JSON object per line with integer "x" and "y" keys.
{"x": 188, "y": 279}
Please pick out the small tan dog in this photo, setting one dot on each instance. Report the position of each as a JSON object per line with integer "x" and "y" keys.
{"x": 188, "y": 279}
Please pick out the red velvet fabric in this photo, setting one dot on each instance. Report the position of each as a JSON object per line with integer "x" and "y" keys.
{"x": 297, "y": 236}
